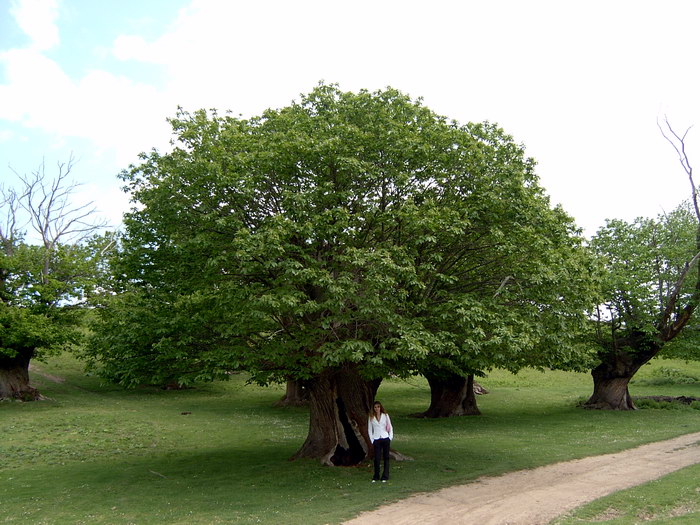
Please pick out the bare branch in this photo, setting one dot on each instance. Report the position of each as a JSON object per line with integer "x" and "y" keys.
{"x": 670, "y": 330}
{"x": 503, "y": 283}
{"x": 48, "y": 204}
{"x": 679, "y": 145}
{"x": 112, "y": 242}
{"x": 9, "y": 201}
{"x": 673, "y": 296}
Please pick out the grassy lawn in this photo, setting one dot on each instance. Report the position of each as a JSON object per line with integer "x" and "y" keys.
{"x": 95, "y": 453}
{"x": 672, "y": 499}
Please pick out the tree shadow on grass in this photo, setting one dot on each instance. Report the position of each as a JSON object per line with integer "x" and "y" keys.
{"x": 234, "y": 484}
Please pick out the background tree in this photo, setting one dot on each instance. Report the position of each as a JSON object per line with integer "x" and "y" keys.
{"x": 652, "y": 288}
{"x": 42, "y": 286}
{"x": 333, "y": 242}
{"x": 508, "y": 287}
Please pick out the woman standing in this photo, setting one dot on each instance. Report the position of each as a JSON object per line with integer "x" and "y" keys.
{"x": 380, "y": 434}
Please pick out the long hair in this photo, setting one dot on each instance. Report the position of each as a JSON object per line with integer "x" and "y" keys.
{"x": 381, "y": 409}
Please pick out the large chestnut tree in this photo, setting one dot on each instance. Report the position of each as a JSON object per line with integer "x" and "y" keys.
{"x": 335, "y": 241}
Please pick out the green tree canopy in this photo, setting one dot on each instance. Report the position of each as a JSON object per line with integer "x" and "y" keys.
{"x": 43, "y": 284}
{"x": 348, "y": 232}
{"x": 651, "y": 290}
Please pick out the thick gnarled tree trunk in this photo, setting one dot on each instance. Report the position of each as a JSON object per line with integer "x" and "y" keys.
{"x": 14, "y": 379}
{"x": 610, "y": 393}
{"x": 611, "y": 381}
{"x": 295, "y": 395}
{"x": 451, "y": 395}
{"x": 339, "y": 405}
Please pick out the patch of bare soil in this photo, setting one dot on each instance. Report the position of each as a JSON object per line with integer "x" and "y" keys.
{"x": 537, "y": 496}
{"x": 681, "y": 511}
{"x": 608, "y": 515}
{"x": 685, "y": 400}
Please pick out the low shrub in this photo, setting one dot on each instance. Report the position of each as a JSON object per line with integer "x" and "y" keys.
{"x": 668, "y": 376}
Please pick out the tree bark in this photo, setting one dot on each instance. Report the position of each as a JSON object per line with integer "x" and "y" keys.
{"x": 610, "y": 393}
{"x": 611, "y": 381}
{"x": 451, "y": 395}
{"x": 339, "y": 405}
{"x": 296, "y": 395}
{"x": 14, "y": 379}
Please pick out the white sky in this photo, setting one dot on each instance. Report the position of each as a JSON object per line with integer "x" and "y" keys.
{"x": 581, "y": 84}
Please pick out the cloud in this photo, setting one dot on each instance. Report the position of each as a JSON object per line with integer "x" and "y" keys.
{"x": 584, "y": 105}
{"x": 37, "y": 18}
{"x": 121, "y": 115}
{"x": 5, "y": 135}
{"x": 113, "y": 112}
{"x": 107, "y": 203}
{"x": 116, "y": 114}
{"x": 133, "y": 47}
{"x": 36, "y": 88}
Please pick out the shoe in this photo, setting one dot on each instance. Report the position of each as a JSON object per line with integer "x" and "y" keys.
{"x": 374, "y": 481}
{"x": 383, "y": 481}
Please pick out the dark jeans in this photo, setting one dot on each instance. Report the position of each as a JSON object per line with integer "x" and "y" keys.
{"x": 381, "y": 450}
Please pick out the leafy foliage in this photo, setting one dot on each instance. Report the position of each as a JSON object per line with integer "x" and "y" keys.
{"x": 44, "y": 284}
{"x": 345, "y": 228}
{"x": 669, "y": 376}
{"x": 646, "y": 288}
{"x": 651, "y": 290}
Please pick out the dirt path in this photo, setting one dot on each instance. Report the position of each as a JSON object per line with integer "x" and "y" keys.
{"x": 533, "y": 497}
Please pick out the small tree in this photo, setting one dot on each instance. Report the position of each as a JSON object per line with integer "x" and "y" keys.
{"x": 652, "y": 288}
{"x": 42, "y": 285}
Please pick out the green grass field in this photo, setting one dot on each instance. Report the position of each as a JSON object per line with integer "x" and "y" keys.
{"x": 96, "y": 454}
{"x": 672, "y": 499}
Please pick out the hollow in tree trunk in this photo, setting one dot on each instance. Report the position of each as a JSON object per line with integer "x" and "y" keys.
{"x": 296, "y": 395}
{"x": 339, "y": 405}
{"x": 451, "y": 395}
{"x": 14, "y": 378}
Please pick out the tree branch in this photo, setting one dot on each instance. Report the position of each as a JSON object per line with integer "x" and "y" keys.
{"x": 679, "y": 146}
{"x": 669, "y": 332}
{"x": 672, "y": 298}
{"x": 51, "y": 214}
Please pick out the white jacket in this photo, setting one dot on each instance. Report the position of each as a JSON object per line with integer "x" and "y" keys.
{"x": 380, "y": 429}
